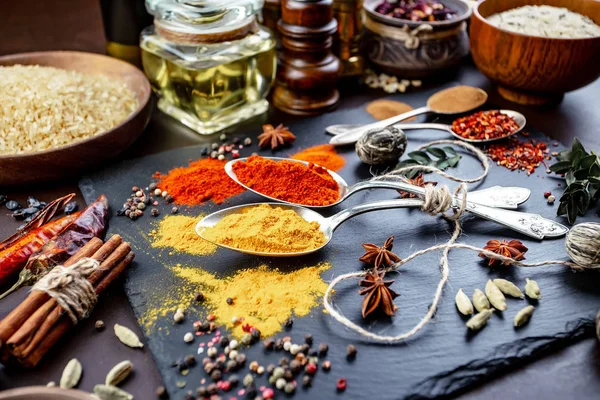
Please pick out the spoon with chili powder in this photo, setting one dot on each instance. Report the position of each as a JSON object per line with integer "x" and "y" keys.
{"x": 532, "y": 225}
{"x": 302, "y": 183}
{"x": 481, "y": 127}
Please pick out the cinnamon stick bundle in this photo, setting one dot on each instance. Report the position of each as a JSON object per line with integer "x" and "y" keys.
{"x": 32, "y": 328}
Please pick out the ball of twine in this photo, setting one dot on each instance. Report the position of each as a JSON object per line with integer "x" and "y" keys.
{"x": 583, "y": 244}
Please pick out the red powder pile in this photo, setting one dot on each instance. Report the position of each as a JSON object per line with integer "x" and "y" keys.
{"x": 201, "y": 181}
{"x": 323, "y": 155}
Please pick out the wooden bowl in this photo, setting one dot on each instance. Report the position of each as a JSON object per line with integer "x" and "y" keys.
{"x": 529, "y": 69}
{"x": 71, "y": 159}
{"x": 44, "y": 393}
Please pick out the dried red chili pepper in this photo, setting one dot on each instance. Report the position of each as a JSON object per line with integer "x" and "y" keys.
{"x": 485, "y": 125}
{"x": 515, "y": 154}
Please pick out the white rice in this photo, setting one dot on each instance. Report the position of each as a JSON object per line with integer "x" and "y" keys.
{"x": 546, "y": 21}
{"x": 44, "y": 108}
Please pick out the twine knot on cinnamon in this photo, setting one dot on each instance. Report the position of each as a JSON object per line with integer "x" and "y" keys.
{"x": 70, "y": 288}
{"x": 412, "y": 40}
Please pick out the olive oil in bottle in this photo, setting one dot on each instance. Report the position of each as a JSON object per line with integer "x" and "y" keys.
{"x": 211, "y": 65}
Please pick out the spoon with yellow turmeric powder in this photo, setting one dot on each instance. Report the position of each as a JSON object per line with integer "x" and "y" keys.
{"x": 281, "y": 230}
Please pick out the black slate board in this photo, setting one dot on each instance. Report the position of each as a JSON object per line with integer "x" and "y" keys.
{"x": 443, "y": 358}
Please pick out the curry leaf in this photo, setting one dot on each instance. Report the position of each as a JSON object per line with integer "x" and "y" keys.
{"x": 445, "y": 157}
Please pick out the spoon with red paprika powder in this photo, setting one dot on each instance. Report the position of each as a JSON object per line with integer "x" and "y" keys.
{"x": 302, "y": 183}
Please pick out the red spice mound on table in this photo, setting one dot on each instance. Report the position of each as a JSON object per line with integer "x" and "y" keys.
{"x": 484, "y": 125}
{"x": 291, "y": 181}
{"x": 323, "y": 155}
{"x": 515, "y": 154}
{"x": 201, "y": 181}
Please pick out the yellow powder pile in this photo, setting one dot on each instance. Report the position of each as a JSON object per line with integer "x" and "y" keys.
{"x": 264, "y": 297}
{"x": 178, "y": 232}
{"x": 266, "y": 228}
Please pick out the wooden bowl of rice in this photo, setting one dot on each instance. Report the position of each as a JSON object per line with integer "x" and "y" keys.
{"x": 58, "y": 122}
{"x": 530, "y": 69}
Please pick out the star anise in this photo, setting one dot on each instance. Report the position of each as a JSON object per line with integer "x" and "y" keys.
{"x": 513, "y": 249}
{"x": 275, "y": 136}
{"x": 379, "y": 256}
{"x": 419, "y": 180}
{"x": 377, "y": 294}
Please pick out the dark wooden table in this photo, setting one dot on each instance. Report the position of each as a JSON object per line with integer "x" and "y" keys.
{"x": 571, "y": 373}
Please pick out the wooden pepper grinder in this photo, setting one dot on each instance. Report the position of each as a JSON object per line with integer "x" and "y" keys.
{"x": 307, "y": 70}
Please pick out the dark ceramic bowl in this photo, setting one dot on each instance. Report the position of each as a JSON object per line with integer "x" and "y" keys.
{"x": 531, "y": 69}
{"x": 430, "y": 52}
{"x": 69, "y": 160}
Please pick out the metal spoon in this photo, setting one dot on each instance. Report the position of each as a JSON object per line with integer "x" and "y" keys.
{"x": 519, "y": 118}
{"x": 529, "y": 224}
{"x": 497, "y": 196}
{"x": 353, "y": 135}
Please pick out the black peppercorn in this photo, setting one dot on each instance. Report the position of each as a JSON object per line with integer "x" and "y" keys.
{"x": 251, "y": 392}
{"x": 295, "y": 366}
{"x": 224, "y": 341}
{"x": 190, "y": 360}
{"x": 306, "y": 380}
{"x": 287, "y": 375}
{"x": 241, "y": 359}
{"x": 216, "y": 375}
{"x": 212, "y": 388}
{"x": 201, "y": 391}
{"x": 199, "y": 297}
{"x": 234, "y": 380}
{"x": 204, "y": 151}
{"x": 304, "y": 348}
{"x": 283, "y": 361}
{"x": 219, "y": 364}
{"x": 308, "y": 338}
{"x": 270, "y": 368}
{"x": 169, "y": 199}
{"x": 269, "y": 344}
{"x": 232, "y": 365}
{"x": 351, "y": 351}
{"x": 323, "y": 348}
{"x": 255, "y": 335}
{"x": 229, "y": 301}
{"x": 289, "y": 322}
{"x": 155, "y": 212}
{"x": 313, "y": 353}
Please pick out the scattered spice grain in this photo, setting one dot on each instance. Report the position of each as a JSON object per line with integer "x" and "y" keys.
{"x": 515, "y": 154}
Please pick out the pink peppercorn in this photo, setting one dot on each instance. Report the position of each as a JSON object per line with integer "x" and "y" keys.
{"x": 341, "y": 384}
{"x": 268, "y": 393}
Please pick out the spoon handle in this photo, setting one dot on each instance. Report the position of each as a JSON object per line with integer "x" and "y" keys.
{"x": 425, "y": 125}
{"x": 353, "y": 135}
{"x": 533, "y": 225}
{"x": 344, "y": 215}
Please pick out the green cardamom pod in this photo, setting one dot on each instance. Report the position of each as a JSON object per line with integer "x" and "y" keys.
{"x": 463, "y": 303}
{"x": 532, "y": 290}
{"x": 108, "y": 392}
{"x": 479, "y": 320}
{"x": 71, "y": 374}
{"x": 127, "y": 337}
{"x": 480, "y": 301}
{"x": 495, "y": 296}
{"x": 523, "y": 316}
{"x": 119, "y": 373}
{"x": 508, "y": 288}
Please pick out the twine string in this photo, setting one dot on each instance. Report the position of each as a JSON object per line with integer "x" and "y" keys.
{"x": 437, "y": 201}
{"x": 70, "y": 288}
